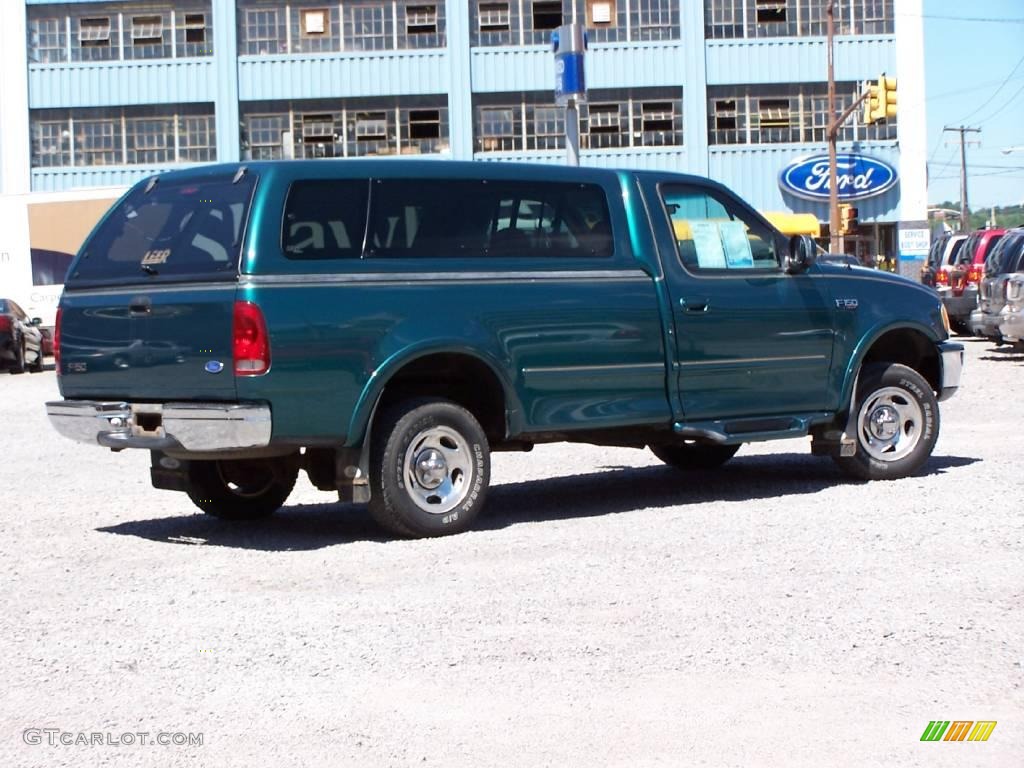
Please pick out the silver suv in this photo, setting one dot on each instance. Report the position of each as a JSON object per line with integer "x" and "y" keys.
{"x": 1004, "y": 265}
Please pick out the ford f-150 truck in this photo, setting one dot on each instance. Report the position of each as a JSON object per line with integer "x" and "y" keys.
{"x": 386, "y": 325}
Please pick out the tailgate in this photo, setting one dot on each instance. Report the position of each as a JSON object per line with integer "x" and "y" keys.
{"x": 147, "y": 307}
{"x": 148, "y": 344}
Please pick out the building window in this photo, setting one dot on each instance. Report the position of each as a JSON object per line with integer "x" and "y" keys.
{"x": 422, "y": 26}
{"x": 197, "y": 139}
{"x": 265, "y": 134}
{"x": 149, "y": 140}
{"x": 51, "y": 144}
{"x": 773, "y": 114}
{"x": 423, "y": 131}
{"x": 655, "y": 19}
{"x": 194, "y": 35}
{"x": 123, "y": 136}
{"x": 497, "y": 130}
{"x": 548, "y": 124}
{"x": 145, "y": 38}
{"x": 603, "y": 125}
{"x": 727, "y": 19}
{"x": 315, "y": 30}
{"x": 316, "y": 133}
{"x": 264, "y": 31}
{"x": 46, "y": 41}
{"x": 498, "y": 23}
{"x": 94, "y": 32}
{"x": 98, "y": 142}
{"x": 368, "y": 27}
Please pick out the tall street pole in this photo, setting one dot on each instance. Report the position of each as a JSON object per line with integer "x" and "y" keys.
{"x": 834, "y": 241}
{"x": 965, "y": 211}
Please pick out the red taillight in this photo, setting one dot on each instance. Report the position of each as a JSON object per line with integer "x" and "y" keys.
{"x": 5, "y": 323}
{"x": 942, "y": 277}
{"x": 56, "y": 341}
{"x": 974, "y": 275}
{"x": 251, "y": 344}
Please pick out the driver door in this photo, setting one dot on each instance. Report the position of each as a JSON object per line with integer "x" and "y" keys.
{"x": 751, "y": 340}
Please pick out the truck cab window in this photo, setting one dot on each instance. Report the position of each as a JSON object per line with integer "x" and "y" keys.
{"x": 711, "y": 234}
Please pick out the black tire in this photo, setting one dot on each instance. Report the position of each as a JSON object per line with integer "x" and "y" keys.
{"x": 241, "y": 489}
{"x": 892, "y": 397}
{"x": 693, "y": 455}
{"x": 415, "y": 444}
{"x": 18, "y": 366}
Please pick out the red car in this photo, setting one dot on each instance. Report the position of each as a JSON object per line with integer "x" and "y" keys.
{"x": 965, "y": 275}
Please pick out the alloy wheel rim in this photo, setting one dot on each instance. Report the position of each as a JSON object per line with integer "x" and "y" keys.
{"x": 891, "y": 424}
{"x": 438, "y": 470}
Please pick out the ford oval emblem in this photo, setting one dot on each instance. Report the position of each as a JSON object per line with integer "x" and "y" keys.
{"x": 214, "y": 366}
{"x": 857, "y": 177}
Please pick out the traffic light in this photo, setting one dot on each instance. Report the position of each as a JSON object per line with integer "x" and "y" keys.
{"x": 847, "y": 218}
{"x": 880, "y": 103}
{"x": 871, "y": 104}
{"x": 887, "y": 95}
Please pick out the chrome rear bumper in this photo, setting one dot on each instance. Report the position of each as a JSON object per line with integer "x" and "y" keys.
{"x": 163, "y": 426}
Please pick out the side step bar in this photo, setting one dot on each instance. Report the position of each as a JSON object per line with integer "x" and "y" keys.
{"x": 733, "y": 431}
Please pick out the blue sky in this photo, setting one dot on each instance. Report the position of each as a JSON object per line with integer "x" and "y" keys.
{"x": 967, "y": 64}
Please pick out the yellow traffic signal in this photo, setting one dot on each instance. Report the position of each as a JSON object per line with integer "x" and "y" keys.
{"x": 887, "y": 96}
{"x": 880, "y": 104}
{"x": 872, "y": 104}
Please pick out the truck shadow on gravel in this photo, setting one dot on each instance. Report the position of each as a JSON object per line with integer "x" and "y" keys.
{"x": 305, "y": 527}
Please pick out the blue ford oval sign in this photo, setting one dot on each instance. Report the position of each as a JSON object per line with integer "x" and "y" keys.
{"x": 857, "y": 177}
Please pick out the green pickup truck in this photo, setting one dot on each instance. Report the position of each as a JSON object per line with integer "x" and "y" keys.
{"x": 386, "y": 325}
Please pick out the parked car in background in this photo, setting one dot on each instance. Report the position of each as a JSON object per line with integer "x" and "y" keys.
{"x": 1011, "y": 324}
{"x": 47, "y": 342}
{"x": 1006, "y": 258}
{"x": 21, "y": 342}
{"x": 941, "y": 257}
{"x": 960, "y": 297}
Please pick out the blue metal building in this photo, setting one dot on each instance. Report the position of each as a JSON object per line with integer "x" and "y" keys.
{"x": 734, "y": 89}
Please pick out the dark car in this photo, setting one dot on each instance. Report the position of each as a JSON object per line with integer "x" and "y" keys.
{"x": 47, "y": 342}
{"x": 1005, "y": 259}
{"x": 943, "y": 253}
{"x": 21, "y": 342}
{"x": 960, "y": 297}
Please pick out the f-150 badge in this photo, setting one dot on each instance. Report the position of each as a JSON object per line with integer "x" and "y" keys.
{"x": 847, "y": 303}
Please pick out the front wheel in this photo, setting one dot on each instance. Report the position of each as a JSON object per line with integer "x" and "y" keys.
{"x": 241, "y": 489}
{"x": 897, "y": 418}
{"x": 693, "y": 455}
{"x": 430, "y": 468}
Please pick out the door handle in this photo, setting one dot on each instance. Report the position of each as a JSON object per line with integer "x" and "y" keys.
{"x": 694, "y": 305}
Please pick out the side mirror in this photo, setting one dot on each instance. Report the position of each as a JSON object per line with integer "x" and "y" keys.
{"x": 802, "y": 252}
{"x": 36, "y": 321}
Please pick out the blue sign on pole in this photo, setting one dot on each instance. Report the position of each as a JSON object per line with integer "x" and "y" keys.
{"x": 857, "y": 177}
{"x": 569, "y": 42}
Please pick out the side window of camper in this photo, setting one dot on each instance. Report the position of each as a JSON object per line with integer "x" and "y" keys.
{"x": 471, "y": 218}
{"x": 325, "y": 219}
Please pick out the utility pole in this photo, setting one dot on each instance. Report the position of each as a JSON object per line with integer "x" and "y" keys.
{"x": 965, "y": 212}
{"x": 834, "y": 240}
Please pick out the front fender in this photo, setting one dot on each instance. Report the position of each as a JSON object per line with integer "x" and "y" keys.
{"x": 864, "y": 346}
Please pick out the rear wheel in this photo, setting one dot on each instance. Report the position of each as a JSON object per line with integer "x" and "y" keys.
{"x": 693, "y": 455}
{"x": 241, "y": 489}
{"x": 897, "y": 418}
{"x": 429, "y": 470}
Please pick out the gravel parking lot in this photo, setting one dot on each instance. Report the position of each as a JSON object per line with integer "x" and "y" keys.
{"x": 609, "y": 611}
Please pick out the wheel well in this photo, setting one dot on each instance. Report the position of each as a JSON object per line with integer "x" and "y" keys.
{"x": 463, "y": 379}
{"x": 910, "y": 348}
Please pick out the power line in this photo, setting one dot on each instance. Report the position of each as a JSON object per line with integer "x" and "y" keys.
{"x": 982, "y": 19}
{"x": 970, "y": 88}
{"x": 994, "y": 93}
{"x": 1003, "y": 106}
